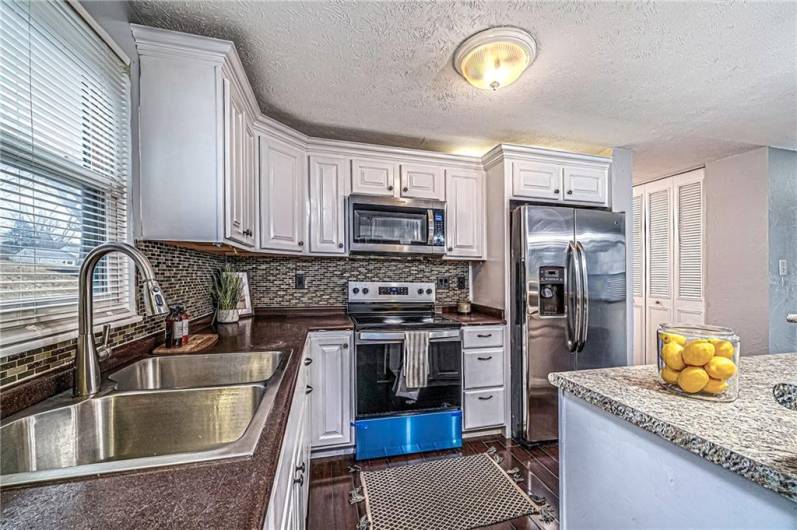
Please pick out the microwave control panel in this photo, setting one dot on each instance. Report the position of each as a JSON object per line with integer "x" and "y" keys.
{"x": 439, "y": 238}
{"x": 552, "y": 291}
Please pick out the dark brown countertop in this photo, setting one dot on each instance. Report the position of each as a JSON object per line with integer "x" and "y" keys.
{"x": 479, "y": 316}
{"x": 220, "y": 494}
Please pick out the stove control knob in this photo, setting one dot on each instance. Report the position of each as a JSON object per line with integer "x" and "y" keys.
{"x": 428, "y": 291}
{"x": 355, "y": 290}
{"x": 420, "y": 291}
{"x": 365, "y": 290}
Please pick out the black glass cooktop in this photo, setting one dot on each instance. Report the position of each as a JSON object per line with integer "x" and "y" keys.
{"x": 402, "y": 321}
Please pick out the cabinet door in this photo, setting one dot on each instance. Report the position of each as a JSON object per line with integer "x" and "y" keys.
{"x": 374, "y": 177}
{"x": 464, "y": 213}
{"x": 688, "y": 303}
{"x": 282, "y": 196}
{"x": 658, "y": 281}
{"x": 327, "y": 199}
{"x": 331, "y": 399}
{"x": 422, "y": 182}
{"x": 536, "y": 180}
{"x": 638, "y": 271}
{"x": 238, "y": 174}
{"x": 585, "y": 184}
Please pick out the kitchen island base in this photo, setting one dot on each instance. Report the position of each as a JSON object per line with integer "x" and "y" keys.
{"x": 615, "y": 475}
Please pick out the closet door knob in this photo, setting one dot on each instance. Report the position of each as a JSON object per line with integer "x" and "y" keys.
{"x": 556, "y": 191}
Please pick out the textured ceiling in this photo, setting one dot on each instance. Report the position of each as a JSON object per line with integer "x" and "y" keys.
{"x": 678, "y": 83}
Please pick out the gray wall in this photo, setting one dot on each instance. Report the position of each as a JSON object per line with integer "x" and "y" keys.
{"x": 737, "y": 235}
{"x": 621, "y": 181}
{"x": 782, "y": 245}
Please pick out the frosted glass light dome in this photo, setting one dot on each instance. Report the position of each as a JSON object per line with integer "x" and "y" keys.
{"x": 495, "y": 58}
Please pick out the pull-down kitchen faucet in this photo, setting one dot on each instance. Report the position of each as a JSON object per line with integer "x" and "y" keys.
{"x": 87, "y": 359}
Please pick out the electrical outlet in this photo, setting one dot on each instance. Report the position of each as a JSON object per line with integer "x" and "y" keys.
{"x": 783, "y": 267}
{"x": 442, "y": 283}
{"x": 298, "y": 281}
{"x": 462, "y": 282}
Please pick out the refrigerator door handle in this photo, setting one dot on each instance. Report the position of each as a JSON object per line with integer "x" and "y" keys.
{"x": 573, "y": 318}
{"x": 582, "y": 258}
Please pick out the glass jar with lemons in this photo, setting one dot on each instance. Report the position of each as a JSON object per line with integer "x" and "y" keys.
{"x": 699, "y": 361}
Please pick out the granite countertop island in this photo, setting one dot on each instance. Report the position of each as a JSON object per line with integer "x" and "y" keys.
{"x": 218, "y": 494}
{"x": 754, "y": 436}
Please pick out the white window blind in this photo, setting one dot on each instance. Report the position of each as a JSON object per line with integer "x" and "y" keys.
{"x": 64, "y": 153}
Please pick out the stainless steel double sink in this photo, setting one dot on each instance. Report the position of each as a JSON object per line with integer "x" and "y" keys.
{"x": 155, "y": 412}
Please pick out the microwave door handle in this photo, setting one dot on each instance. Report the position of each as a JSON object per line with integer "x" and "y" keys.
{"x": 430, "y": 226}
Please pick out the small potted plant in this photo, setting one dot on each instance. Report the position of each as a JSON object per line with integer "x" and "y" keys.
{"x": 226, "y": 291}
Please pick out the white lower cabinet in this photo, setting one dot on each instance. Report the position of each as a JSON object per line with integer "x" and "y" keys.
{"x": 287, "y": 508}
{"x": 331, "y": 380}
{"x": 483, "y": 360}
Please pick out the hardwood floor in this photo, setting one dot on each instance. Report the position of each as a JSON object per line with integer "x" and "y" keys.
{"x": 331, "y": 482}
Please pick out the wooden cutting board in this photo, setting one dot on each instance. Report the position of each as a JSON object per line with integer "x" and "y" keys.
{"x": 196, "y": 343}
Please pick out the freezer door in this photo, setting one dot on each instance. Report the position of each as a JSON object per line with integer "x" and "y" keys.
{"x": 600, "y": 237}
{"x": 541, "y": 237}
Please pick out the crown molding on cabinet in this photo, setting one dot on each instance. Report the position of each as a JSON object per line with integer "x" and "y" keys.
{"x": 500, "y": 152}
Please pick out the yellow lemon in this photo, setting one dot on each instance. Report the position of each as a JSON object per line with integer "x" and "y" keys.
{"x": 723, "y": 348}
{"x": 720, "y": 368}
{"x": 667, "y": 338}
{"x": 698, "y": 352}
{"x": 671, "y": 354}
{"x": 692, "y": 379}
{"x": 669, "y": 375}
{"x": 715, "y": 386}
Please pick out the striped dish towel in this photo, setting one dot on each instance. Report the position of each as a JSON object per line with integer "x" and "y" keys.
{"x": 416, "y": 358}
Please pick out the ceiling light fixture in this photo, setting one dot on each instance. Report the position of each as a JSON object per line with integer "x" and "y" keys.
{"x": 496, "y": 57}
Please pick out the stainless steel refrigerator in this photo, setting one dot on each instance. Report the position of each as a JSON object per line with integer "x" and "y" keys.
{"x": 569, "y": 306}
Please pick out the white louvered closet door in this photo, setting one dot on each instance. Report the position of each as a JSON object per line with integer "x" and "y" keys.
{"x": 688, "y": 302}
{"x": 659, "y": 258}
{"x": 638, "y": 271}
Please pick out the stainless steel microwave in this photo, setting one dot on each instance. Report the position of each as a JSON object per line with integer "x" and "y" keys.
{"x": 389, "y": 225}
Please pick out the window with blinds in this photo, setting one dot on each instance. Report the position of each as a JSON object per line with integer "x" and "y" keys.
{"x": 64, "y": 154}
{"x": 690, "y": 241}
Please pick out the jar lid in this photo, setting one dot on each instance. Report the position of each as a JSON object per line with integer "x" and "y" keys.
{"x": 699, "y": 330}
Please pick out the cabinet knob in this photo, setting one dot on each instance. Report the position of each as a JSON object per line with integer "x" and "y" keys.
{"x": 390, "y": 188}
{"x": 301, "y": 243}
{"x": 556, "y": 191}
{"x": 308, "y": 389}
{"x": 405, "y": 189}
{"x": 299, "y": 481}
{"x": 340, "y": 245}
{"x": 308, "y": 361}
{"x": 570, "y": 192}
{"x": 345, "y": 345}
{"x": 450, "y": 249}
{"x": 301, "y": 468}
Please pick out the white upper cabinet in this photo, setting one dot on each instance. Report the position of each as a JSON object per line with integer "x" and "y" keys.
{"x": 374, "y": 177}
{"x": 240, "y": 169}
{"x": 585, "y": 184}
{"x": 282, "y": 196}
{"x": 536, "y": 180}
{"x": 422, "y": 182}
{"x": 327, "y": 199}
{"x": 464, "y": 213}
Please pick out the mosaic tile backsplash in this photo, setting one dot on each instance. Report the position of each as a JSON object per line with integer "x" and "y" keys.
{"x": 185, "y": 274}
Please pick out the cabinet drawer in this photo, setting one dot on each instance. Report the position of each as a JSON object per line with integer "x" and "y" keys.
{"x": 484, "y": 408}
{"x": 482, "y": 337}
{"x": 484, "y": 367}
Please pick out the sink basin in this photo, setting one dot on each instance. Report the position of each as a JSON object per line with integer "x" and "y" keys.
{"x": 191, "y": 371}
{"x": 148, "y": 427}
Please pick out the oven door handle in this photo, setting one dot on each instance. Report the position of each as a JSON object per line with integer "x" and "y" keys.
{"x": 382, "y": 336}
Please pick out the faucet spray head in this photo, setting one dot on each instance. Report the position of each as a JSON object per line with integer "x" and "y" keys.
{"x": 154, "y": 302}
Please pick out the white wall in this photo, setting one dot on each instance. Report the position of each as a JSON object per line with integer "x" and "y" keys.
{"x": 737, "y": 243}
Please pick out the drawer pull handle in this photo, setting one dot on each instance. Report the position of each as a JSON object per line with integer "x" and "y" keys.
{"x": 299, "y": 481}
{"x": 308, "y": 389}
{"x": 308, "y": 361}
{"x": 484, "y": 335}
{"x": 301, "y": 468}
{"x": 483, "y": 398}
{"x": 485, "y": 358}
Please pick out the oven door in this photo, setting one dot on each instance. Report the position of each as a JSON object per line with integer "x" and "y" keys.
{"x": 378, "y": 365}
{"x": 390, "y": 225}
